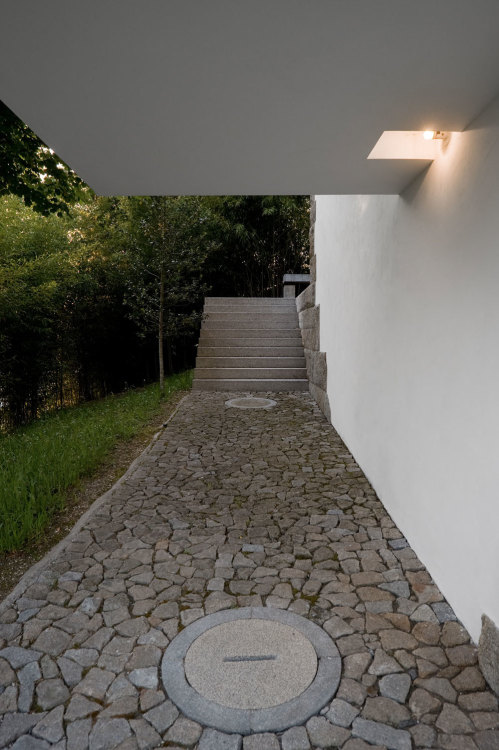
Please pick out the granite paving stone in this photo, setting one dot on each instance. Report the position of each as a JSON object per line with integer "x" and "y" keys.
{"x": 423, "y": 735}
{"x": 440, "y": 687}
{"x": 52, "y": 641}
{"x": 108, "y": 733}
{"x": 162, "y": 716}
{"x": 8, "y": 699}
{"x": 357, "y": 744}
{"x": 295, "y": 738}
{"x": 30, "y": 743}
{"x": 50, "y": 693}
{"x": 341, "y": 713}
{"x": 231, "y": 508}
{"x": 422, "y": 702}
{"x": 126, "y": 706}
{"x": 264, "y": 741}
{"x": 453, "y": 721}
{"x": 146, "y": 677}
{"x": 487, "y": 740}
{"x": 211, "y": 739}
{"x": 386, "y": 711}
{"x": 7, "y": 674}
{"x": 382, "y": 734}
{"x": 79, "y": 707}
{"x": 77, "y": 734}
{"x": 184, "y": 732}
{"x": 395, "y": 686}
{"x": 95, "y": 683}
{"x": 322, "y": 733}
{"x": 70, "y": 671}
{"x": 27, "y": 676}
{"x": 14, "y": 724}
{"x": 50, "y": 728}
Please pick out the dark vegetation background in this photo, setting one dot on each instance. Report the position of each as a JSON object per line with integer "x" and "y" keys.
{"x": 84, "y": 280}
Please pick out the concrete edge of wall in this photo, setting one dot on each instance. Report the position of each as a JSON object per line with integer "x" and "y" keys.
{"x": 309, "y": 320}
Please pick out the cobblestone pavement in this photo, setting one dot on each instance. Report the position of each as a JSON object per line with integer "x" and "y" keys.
{"x": 233, "y": 508}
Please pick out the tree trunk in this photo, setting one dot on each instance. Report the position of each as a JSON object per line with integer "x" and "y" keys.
{"x": 61, "y": 388}
{"x": 169, "y": 353}
{"x": 161, "y": 332}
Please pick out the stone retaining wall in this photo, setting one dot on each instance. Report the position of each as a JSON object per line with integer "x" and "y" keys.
{"x": 309, "y": 318}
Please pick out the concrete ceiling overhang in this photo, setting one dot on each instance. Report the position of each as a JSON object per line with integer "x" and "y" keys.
{"x": 244, "y": 96}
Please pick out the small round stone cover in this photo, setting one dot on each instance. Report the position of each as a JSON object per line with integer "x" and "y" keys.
{"x": 251, "y": 402}
{"x": 251, "y": 663}
{"x": 253, "y": 669}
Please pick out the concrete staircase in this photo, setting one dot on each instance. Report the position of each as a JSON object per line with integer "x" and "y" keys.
{"x": 250, "y": 344}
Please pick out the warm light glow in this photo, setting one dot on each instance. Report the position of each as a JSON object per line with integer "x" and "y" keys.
{"x": 406, "y": 144}
{"x": 428, "y": 135}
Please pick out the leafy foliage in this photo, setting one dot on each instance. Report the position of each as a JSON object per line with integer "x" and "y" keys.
{"x": 64, "y": 332}
{"x": 261, "y": 239}
{"x": 31, "y": 170}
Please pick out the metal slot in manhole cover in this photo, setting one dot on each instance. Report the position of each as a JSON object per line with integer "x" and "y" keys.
{"x": 251, "y": 402}
{"x": 253, "y": 669}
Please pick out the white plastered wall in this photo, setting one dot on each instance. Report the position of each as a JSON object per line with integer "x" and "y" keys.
{"x": 408, "y": 288}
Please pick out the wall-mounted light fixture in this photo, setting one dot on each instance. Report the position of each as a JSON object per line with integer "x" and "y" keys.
{"x": 434, "y": 135}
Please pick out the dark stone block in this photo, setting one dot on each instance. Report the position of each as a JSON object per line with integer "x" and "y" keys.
{"x": 309, "y": 318}
{"x": 488, "y": 652}
{"x": 320, "y": 396}
{"x": 306, "y": 299}
{"x": 317, "y": 368}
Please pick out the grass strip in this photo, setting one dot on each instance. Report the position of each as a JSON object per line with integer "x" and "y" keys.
{"x": 40, "y": 461}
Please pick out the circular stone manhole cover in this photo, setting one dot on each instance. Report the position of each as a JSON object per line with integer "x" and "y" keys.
{"x": 250, "y": 402}
{"x": 251, "y": 663}
{"x": 254, "y": 669}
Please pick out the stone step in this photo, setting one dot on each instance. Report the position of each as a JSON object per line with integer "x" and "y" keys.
{"x": 249, "y": 385}
{"x": 251, "y": 321}
{"x": 277, "y": 345}
{"x": 290, "y": 334}
{"x": 250, "y": 345}
{"x": 241, "y": 325}
{"x": 259, "y": 373}
{"x": 277, "y": 319}
{"x": 255, "y": 301}
{"x": 255, "y": 349}
{"x": 240, "y": 311}
{"x": 250, "y": 361}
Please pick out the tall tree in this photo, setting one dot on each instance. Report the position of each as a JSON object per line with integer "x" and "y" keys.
{"x": 166, "y": 289}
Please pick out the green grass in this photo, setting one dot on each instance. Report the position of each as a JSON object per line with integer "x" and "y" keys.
{"x": 40, "y": 461}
